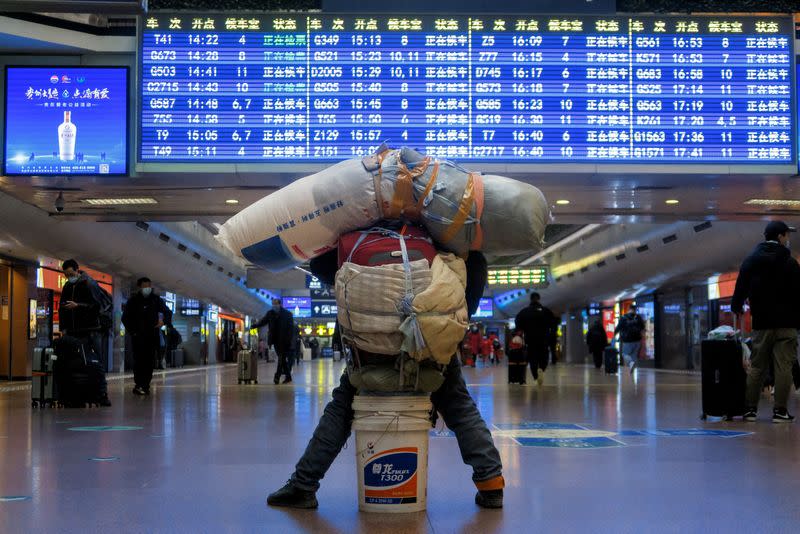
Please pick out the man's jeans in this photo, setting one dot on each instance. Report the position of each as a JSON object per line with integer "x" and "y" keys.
{"x": 778, "y": 345}
{"x": 630, "y": 351}
{"x": 452, "y": 401}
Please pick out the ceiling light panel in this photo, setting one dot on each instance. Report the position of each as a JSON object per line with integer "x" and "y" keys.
{"x": 143, "y": 201}
{"x": 773, "y": 202}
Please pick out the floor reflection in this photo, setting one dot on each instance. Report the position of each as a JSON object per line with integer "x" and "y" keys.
{"x": 210, "y": 450}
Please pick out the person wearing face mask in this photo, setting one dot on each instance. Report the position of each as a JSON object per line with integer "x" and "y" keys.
{"x": 79, "y": 315}
{"x": 145, "y": 313}
{"x": 769, "y": 279}
{"x": 281, "y": 334}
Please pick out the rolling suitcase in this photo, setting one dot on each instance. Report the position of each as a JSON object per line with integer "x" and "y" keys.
{"x": 611, "y": 360}
{"x": 77, "y": 373}
{"x": 723, "y": 378}
{"x": 380, "y": 246}
{"x": 248, "y": 367}
{"x": 517, "y": 367}
{"x": 176, "y": 357}
{"x": 42, "y": 383}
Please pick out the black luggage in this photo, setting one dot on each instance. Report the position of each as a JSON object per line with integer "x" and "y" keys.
{"x": 611, "y": 360}
{"x": 723, "y": 377}
{"x": 517, "y": 366}
{"x": 42, "y": 389}
{"x": 176, "y": 358}
{"x": 79, "y": 377}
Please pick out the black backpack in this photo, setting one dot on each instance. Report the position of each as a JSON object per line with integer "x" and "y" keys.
{"x": 106, "y": 309}
{"x": 105, "y": 304}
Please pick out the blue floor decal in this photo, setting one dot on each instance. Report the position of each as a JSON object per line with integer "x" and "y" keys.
{"x": 103, "y": 428}
{"x": 571, "y": 443}
{"x": 574, "y": 436}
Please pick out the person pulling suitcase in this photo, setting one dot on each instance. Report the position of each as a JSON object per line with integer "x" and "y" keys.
{"x": 280, "y": 323}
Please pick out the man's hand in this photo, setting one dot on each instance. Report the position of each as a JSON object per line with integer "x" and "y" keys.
{"x": 71, "y": 305}
{"x": 160, "y": 324}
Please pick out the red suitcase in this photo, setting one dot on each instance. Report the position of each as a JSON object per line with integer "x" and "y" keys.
{"x": 380, "y": 246}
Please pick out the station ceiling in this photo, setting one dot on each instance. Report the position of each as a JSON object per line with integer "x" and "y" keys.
{"x": 574, "y": 198}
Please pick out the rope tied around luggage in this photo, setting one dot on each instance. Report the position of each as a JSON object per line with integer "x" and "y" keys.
{"x": 403, "y": 204}
{"x": 415, "y": 188}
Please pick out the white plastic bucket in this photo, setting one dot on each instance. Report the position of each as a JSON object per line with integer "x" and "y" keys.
{"x": 392, "y": 452}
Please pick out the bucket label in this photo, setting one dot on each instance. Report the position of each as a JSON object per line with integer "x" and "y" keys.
{"x": 390, "y": 477}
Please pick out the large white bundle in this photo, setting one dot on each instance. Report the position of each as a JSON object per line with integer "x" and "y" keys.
{"x": 463, "y": 211}
{"x": 304, "y": 219}
{"x": 369, "y": 303}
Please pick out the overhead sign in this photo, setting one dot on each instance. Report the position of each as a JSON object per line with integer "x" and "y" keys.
{"x": 190, "y": 307}
{"x": 537, "y": 277}
{"x": 324, "y": 308}
{"x": 313, "y": 87}
{"x": 325, "y": 293}
{"x": 312, "y": 282}
{"x": 66, "y": 121}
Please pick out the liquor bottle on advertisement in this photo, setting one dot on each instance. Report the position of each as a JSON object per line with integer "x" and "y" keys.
{"x": 66, "y": 138}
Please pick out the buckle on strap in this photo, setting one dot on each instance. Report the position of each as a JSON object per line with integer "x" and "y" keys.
{"x": 373, "y": 162}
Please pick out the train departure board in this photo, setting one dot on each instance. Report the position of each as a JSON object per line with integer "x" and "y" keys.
{"x": 320, "y": 88}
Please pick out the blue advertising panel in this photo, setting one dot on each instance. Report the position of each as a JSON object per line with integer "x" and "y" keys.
{"x": 66, "y": 121}
{"x": 300, "y": 307}
{"x": 312, "y": 87}
{"x": 485, "y": 309}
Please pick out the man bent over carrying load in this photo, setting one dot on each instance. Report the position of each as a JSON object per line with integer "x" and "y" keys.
{"x": 452, "y": 401}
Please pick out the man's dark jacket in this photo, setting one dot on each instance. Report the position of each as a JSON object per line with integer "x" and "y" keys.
{"x": 86, "y": 317}
{"x": 141, "y": 313}
{"x": 769, "y": 279}
{"x": 538, "y": 323}
{"x": 630, "y": 327}
{"x": 281, "y": 329}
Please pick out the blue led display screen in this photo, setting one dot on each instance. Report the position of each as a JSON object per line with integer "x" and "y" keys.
{"x": 485, "y": 309}
{"x": 300, "y": 307}
{"x": 66, "y": 121}
{"x": 505, "y": 88}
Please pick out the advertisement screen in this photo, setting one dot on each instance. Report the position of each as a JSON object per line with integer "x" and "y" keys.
{"x": 300, "y": 307}
{"x": 319, "y": 87}
{"x": 647, "y": 309}
{"x": 609, "y": 323}
{"x": 485, "y": 309}
{"x": 66, "y": 121}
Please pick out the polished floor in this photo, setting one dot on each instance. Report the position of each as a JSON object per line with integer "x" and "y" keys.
{"x": 585, "y": 453}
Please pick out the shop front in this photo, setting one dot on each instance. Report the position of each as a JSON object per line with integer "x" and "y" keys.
{"x": 19, "y": 328}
